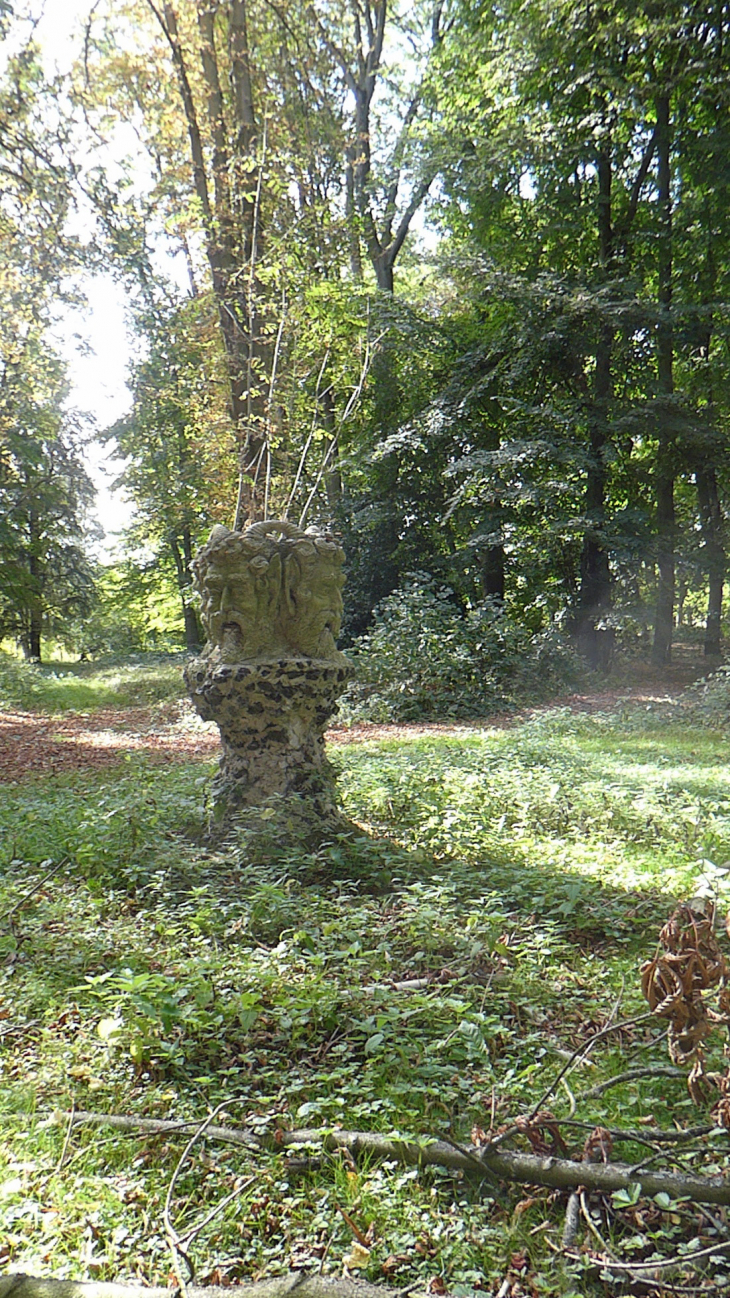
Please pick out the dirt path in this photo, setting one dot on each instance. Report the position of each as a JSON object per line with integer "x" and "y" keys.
{"x": 32, "y": 743}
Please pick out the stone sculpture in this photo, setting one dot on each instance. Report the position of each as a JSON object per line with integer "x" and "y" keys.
{"x": 271, "y": 673}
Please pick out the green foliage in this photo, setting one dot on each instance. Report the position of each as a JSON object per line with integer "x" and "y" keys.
{"x": 427, "y": 657}
{"x": 707, "y": 702}
{"x": 174, "y": 442}
{"x": 137, "y": 610}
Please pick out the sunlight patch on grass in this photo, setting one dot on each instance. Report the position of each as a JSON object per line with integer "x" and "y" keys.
{"x": 85, "y": 687}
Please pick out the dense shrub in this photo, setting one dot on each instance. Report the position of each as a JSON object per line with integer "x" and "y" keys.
{"x": 427, "y": 657}
{"x": 707, "y": 702}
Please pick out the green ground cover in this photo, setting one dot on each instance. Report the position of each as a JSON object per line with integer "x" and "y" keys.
{"x": 524, "y": 871}
{"x": 80, "y": 687}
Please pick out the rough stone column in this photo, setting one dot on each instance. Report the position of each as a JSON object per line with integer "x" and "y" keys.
{"x": 271, "y": 673}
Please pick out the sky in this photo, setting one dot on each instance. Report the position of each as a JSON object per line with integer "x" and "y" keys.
{"x": 94, "y": 341}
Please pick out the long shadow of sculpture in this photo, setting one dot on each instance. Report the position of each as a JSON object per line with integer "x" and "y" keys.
{"x": 271, "y": 673}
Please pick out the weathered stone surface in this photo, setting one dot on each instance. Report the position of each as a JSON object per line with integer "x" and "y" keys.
{"x": 269, "y": 591}
{"x": 271, "y": 674}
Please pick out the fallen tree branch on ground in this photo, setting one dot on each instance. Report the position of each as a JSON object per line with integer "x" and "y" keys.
{"x": 505, "y": 1164}
{"x": 301, "y": 1283}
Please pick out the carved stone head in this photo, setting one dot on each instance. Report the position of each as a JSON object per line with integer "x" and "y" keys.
{"x": 270, "y": 591}
{"x": 239, "y": 580}
{"x": 312, "y": 606}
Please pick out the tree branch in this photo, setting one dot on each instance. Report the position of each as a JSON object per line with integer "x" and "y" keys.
{"x": 301, "y": 1283}
{"x": 507, "y": 1165}
{"x": 637, "y": 187}
{"x": 168, "y": 23}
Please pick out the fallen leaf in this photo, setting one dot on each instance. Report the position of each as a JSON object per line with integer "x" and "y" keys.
{"x": 357, "y": 1258}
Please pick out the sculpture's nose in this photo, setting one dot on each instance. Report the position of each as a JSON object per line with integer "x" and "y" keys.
{"x": 226, "y": 596}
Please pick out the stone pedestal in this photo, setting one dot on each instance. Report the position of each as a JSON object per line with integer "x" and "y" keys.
{"x": 272, "y": 717}
{"x": 271, "y": 674}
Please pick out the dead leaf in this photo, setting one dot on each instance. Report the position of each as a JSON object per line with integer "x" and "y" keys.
{"x": 358, "y": 1258}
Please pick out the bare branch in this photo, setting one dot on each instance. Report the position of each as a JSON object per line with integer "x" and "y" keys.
{"x": 508, "y": 1165}
{"x": 636, "y": 189}
{"x": 168, "y": 23}
{"x": 404, "y": 224}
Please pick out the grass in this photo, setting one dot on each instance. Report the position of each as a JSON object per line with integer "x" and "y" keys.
{"x": 86, "y": 687}
{"x": 525, "y": 871}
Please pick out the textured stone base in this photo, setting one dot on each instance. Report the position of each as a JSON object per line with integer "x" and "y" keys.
{"x": 271, "y": 716}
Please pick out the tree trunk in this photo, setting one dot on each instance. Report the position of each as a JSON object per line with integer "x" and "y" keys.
{"x": 492, "y": 560}
{"x": 384, "y": 277}
{"x": 596, "y": 591}
{"x": 708, "y": 496}
{"x": 35, "y": 609}
{"x": 493, "y": 574}
{"x": 595, "y": 597}
{"x": 665, "y": 511}
{"x": 332, "y": 476}
{"x": 233, "y": 235}
{"x": 711, "y": 518}
{"x": 183, "y": 560}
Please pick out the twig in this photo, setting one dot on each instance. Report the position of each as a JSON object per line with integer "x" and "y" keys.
{"x": 174, "y": 1240}
{"x": 351, "y": 403}
{"x": 572, "y": 1217}
{"x": 680, "y": 1259}
{"x": 584, "y": 1050}
{"x": 571, "y": 1097}
{"x": 32, "y": 891}
{"x": 190, "y": 1235}
{"x": 658, "y": 1070}
{"x": 648, "y": 1135}
{"x": 19, "y": 1028}
{"x": 64, "y": 1151}
{"x": 473, "y": 1159}
{"x": 270, "y": 400}
{"x": 508, "y": 1165}
{"x": 163, "y": 1127}
{"x": 590, "y": 1223}
{"x": 361, "y": 1239}
{"x": 577, "y": 1054}
{"x": 307, "y": 444}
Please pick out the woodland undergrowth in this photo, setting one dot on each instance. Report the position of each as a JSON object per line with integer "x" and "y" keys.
{"x": 429, "y": 974}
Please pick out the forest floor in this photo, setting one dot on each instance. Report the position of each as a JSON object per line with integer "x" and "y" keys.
{"x": 469, "y": 952}
{"x": 33, "y": 743}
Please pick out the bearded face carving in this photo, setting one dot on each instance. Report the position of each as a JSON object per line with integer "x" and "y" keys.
{"x": 312, "y": 607}
{"x": 271, "y": 591}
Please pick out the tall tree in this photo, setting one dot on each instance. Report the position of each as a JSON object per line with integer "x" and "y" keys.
{"x": 571, "y": 175}
{"x": 171, "y": 473}
{"x": 44, "y": 489}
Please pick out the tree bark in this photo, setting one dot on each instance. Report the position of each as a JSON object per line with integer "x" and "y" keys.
{"x": 35, "y": 606}
{"x": 488, "y": 1163}
{"x": 665, "y": 511}
{"x": 708, "y": 496}
{"x": 232, "y": 227}
{"x": 595, "y": 596}
{"x": 183, "y": 560}
{"x": 493, "y": 573}
{"x": 301, "y": 1283}
{"x": 710, "y": 511}
{"x": 384, "y": 233}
